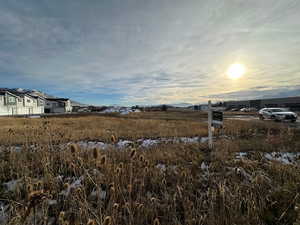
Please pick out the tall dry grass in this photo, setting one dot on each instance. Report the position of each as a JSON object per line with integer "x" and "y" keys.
{"x": 20, "y": 130}
{"x": 17, "y": 131}
{"x": 164, "y": 184}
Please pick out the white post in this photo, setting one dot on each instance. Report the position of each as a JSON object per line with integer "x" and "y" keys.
{"x": 210, "y": 142}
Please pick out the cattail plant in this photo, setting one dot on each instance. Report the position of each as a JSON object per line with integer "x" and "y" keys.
{"x": 74, "y": 148}
{"x": 91, "y": 222}
{"x": 39, "y": 185}
{"x": 29, "y": 188}
{"x": 113, "y": 139}
{"x": 142, "y": 158}
{"x": 184, "y": 174}
{"x": 116, "y": 206}
{"x": 103, "y": 160}
{"x": 153, "y": 200}
{"x": 61, "y": 217}
{"x": 147, "y": 163}
{"x": 140, "y": 206}
{"x": 133, "y": 153}
{"x": 156, "y": 222}
{"x": 107, "y": 220}
{"x": 95, "y": 153}
{"x": 111, "y": 187}
{"x": 66, "y": 186}
{"x": 130, "y": 188}
{"x": 146, "y": 169}
{"x": 118, "y": 170}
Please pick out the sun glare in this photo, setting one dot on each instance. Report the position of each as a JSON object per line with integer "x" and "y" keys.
{"x": 236, "y": 70}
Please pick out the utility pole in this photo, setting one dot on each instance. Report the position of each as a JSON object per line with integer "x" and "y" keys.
{"x": 210, "y": 141}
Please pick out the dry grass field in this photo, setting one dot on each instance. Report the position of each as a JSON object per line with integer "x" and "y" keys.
{"x": 252, "y": 175}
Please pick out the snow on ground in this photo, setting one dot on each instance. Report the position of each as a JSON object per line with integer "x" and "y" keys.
{"x": 75, "y": 183}
{"x": 34, "y": 117}
{"x": 93, "y": 144}
{"x": 121, "y": 110}
{"x": 12, "y": 185}
{"x": 125, "y": 144}
{"x": 282, "y": 157}
{"x": 140, "y": 143}
{"x": 3, "y": 213}
{"x": 162, "y": 167}
{"x": 148, "y": 143}
{"x": 121, "y": 144}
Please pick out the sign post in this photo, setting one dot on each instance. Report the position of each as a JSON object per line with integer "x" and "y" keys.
{"x": 215, "y": 119}
{"x": 210, "y": 143}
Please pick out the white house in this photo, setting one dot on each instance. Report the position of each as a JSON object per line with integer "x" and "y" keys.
{"x": 58, "y": 105}
{"x": 14, "y": 103}
{"x": 36, "y": 103}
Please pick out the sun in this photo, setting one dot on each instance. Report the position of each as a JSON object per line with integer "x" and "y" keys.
{"x": 236, "y": 70}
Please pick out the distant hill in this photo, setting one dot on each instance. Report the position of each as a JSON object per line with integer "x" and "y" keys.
{"x": 181, "y": 105}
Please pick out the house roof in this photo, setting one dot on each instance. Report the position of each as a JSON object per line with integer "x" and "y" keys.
{"x": 13, "y": 92}
{"x": 36, "y": 96}
{"x": 3, "y": 92}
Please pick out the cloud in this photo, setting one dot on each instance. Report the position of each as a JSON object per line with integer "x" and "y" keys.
{"x": 148, "y": 52}
{"x": 258, "y": 93}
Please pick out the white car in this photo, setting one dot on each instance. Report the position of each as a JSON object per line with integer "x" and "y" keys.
{"x": 277, "y": 114}
{"x": 248, "y": 110}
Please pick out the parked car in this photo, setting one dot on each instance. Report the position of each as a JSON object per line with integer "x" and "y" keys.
{"x": 277, "y": 114}
{"x": 244, "y": 109}
{"x": 251, "y": 109}
{"x": 83, "y": 110}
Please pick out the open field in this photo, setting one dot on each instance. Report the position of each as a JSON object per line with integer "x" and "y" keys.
{"x": 148, "y": 168}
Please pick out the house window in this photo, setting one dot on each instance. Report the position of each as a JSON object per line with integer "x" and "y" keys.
{"x": 40, "y": 103}
{"x": 11, "y": 99}
{"x": 28, "y": 100}
{"x": 19, "y": 100}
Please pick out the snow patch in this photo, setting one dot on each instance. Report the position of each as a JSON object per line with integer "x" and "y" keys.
{"x": 52, "y": 202}
{"x": 162, "y": 167}
{"x": 204, "y": 166}
{"x": 148, "y": 143}
{"x": 144, "y": 143}
{"x": 282, "y": 157}
{"x": 12, "y": 185}
{"x": 121, "y": 110}
{"x": 93, "y": 144}
{"x": 124, "y": 144}
{"x": 3, "y": 213}
{"x": 98, "y": 193}
{"x": 75, "y": 184}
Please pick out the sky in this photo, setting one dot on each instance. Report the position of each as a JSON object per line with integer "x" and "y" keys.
{"x": 146, "y": 52}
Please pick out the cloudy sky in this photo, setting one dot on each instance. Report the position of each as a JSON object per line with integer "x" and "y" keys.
{"x": 150, "y": 51}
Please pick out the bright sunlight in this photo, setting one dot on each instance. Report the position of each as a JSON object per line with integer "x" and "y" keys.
{"x": 236, "y": 71}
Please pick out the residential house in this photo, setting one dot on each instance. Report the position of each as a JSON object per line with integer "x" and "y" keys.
{"x": 15, "y": 103}
{"x": 58, "y": 105}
